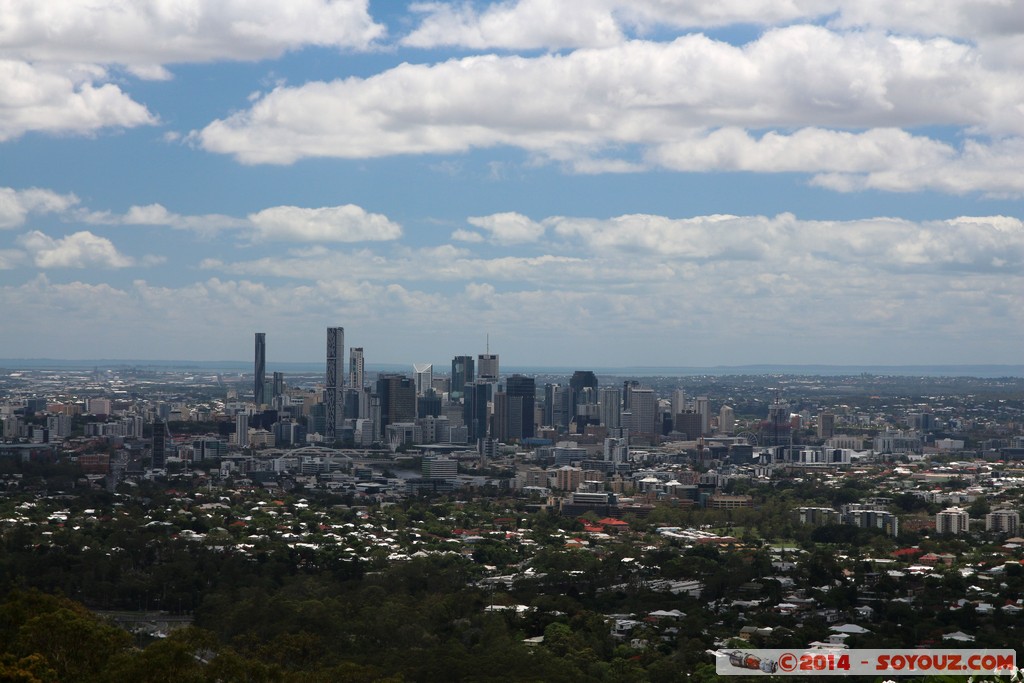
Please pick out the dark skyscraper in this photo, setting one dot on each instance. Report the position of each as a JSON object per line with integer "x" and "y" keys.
{"x": 278, "y": 384}
{"x": 474, "y": 409}
{"x": 260, "y": 380}
{"x": 160, "y": 442}
{"x": 462, "y": 374}
{"x": 397, "y": 395}
{"x": 522, "y": 397}
{"x": 335, "y": 379}
{"x": 580, "y": 380}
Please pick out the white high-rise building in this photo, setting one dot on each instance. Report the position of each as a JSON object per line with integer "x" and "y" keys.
{"x": 356, "y": 368}
{"x": 242, "y": 430}
{"x": 610, "y": 410}
{"x": 952, "y": 520}
{"x": 424, "y": 374}
{"x": 1003, "y": 521}
{"x": 678, "y": 402}
{"x": 335, "y": 381}
{"x": 726, "y": 420}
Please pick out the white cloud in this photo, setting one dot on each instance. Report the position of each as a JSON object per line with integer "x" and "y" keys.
{"x": 527, "y": 24}
{"x": 808, "y": 149}
{"x": 467, "y": 236}
{"x": 78, "y": 250}
{"x": 509, "y": 228}
{"x": 10, "y": 258}
{"x": 61, "y": 100}
{"x": 784, "y": 242}
{"x": 348, "y": 223}
{"x": 144, "y": 34}
{"x": 159, "y": 215}
{"x": 693, "y": 103}
{"x": 556, "y": 24}
{"x": 993, "y": 169}
{"x": 16, "y": 205}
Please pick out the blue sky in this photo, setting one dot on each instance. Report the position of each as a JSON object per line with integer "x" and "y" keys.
{"x": 608, "y": 183}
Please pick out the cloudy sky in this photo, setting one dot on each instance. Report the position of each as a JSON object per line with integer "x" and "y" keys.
{"x": 591, "y": 183}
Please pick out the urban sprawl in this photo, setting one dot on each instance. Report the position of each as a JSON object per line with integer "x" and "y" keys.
{"x": 589, "y": 526}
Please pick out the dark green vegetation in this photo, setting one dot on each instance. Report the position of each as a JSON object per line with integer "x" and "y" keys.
{"x": 306, "y": 590}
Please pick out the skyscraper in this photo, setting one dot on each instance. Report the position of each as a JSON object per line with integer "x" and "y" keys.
{"x": 355, "y": 368}
{"x": 335, "y": 380}
{"x": 278, "y": 384}
{"x": 726, "y": 420}
{"x": 475, "y": 414}
{"x": 424, "y": 375}
{"x": 487, "y": 366}
{"x": 580, "y": 381}
{"x": 644, "y": 405}
{"x": 610, "y": 402}
{"x": 678, "y": 402}
{"x": 522, "y": 396}
{"x": 462, "y": 374}
{"x": 260, "y": 372}
{"x": 397, "y": 394}
{"x": 703, "y": 407}
{"x": 160, "y": 442}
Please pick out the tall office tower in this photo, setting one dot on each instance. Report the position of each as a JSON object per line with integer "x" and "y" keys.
{"x": 678, "y": 402}
{"x": 278, "y": 384}
{"x": 580, "y": 380}
{"x": 687, "y": 422}
{"x": 397, "y": 394}
{"x": 627, "y": 389}
{"x": 644, "y": 406}
{"x": 703, "y": 407}
{"x": 334, "y": 385}
{"x": 555, "y": 405}
{"x": 242, "y": 430}
{"x": 777, "y": 429}
{"x": 428, "y": 405}
{"x": 462, "y": 374}
{"x": 356, "y": 369}
{"x": 487, "y": 366}
{"x": 474, "y": 408}
{"x": 610, "y": 402}
{"x": 424, "y": 374}
{"x": 260, "y": 370}
{"x": 826, "y": 425}
{"x": 522, "y": 396}
{"x": 726, "y": 420}
{"x": 160, "y": 443}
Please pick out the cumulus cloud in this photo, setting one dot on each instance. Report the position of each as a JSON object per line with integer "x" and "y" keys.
{"x": 993, "y": 243}
{"x": 690, "y": 104}
{"x": 16, "y": 205}
{"x": 527, "y": 24}
{"x": 78, "y": 250}
{"x": 145, "y": 34}
{"x": 557, "y": 24}
{"x": 348, "y": 223}
{"x": 55, "y": 99}
{"x": 157, "y": 214}
{"x": 508, "y": 228}
{"x": 54, "y": 56}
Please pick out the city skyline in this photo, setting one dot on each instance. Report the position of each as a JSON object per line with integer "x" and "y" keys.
{"x": 608, "y": 184}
